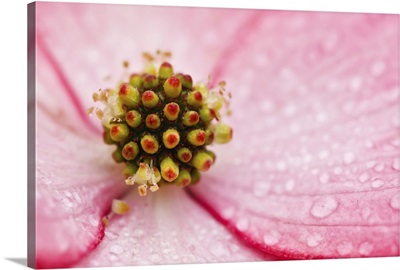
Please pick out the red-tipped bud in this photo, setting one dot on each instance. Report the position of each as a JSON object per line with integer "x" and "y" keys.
{"x": 223, "y": 133}
{"x": 133, "y": 118}
{"x": 169, "y": 169}
{"x": 149, "y": 144}
{"x": 186, "y": 80}
{"x": 195, "y": 175}
{"x": 130, "y": 150}
{"x": 150, "y": 99}
{"x": 119, "y": 132}
{"x": 171, "y": 111}
{"x": 183, "y": 178}
{"x": 153, "y": 121}
{"x": 202, "y": 161}
{"x": 130, "y": 169}
{"x": 209, "y": 137}
{"x": 117, "y": 155}
{"x": 150, "y": 81}
{"x": 190, "y": 118}
{"x": 165, "y": 71}
{"x": 136, "y": 80}
{"x": 106, "y": 137}
{"x": 184, "y": 154}
{"x": 129, "y": 95}
{"x": 196, "y": 137}
{"x": 171, "y": 138}
{"x": 194, "y": 98}
{"x": 206, "y": 115}
{"x": 173, "y": 87}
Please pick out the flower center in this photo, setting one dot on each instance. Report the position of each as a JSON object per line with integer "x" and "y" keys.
{"x": 161, "y": 125}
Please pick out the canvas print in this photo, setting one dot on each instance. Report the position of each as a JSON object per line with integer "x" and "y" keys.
{"x": 182, "y": 135}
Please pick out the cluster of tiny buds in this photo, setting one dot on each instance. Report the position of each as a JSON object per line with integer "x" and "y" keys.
{"x": 161, "y": 124}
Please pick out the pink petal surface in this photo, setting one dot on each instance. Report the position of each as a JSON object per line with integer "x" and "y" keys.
{"x": 76, "y": 182}
{"x": 313, "y": 170}
{"x": 91, "y": 41}
{"x": 316, "y": 91}
{"x": 78, "y": 46}
{"x": 167, "y": 227}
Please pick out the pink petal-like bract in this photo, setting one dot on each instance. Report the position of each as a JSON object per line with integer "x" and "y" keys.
{"x": 313, "y": 170}
{"x": 167, "y": 227}
{"x": 313, "y": 167}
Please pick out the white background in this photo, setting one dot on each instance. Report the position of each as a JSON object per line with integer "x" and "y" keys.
{"x": 13, "y": 148}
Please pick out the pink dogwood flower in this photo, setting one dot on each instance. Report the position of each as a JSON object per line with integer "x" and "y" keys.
{"x": 313, "y": 167}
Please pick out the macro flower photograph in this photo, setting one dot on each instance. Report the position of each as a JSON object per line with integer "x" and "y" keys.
{"x": 182, "y": 135}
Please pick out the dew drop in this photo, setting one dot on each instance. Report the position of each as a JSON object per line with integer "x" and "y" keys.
{"x": 370, "y": 164}
{"x": 289, "y": 186}
{"x": 378, "y": 68}
{"x": 377, "y": 183}
{"x": 365, "y": 248}
{"x": 364, "y": 177}
{"x": 395, "y": 202}
{"x": 379, "y": 167}
{"x": 323, "y": 207}
{"x": 337, "y": 170}
{"x": 313, "y": 240}
{"x": 355, "y": 83}
{"x": 272, "y": 238}
{"x": 116, "y": 249}
{"x": 261, "y": 188}
{"x": 228, "y": 213}
{"x": 242, "y": 224}
{"x": 348, "y": 157}
{"x": 324, "y": 178}
{"x": 366, "y": 213}
{"x": 396, "y": 164}
{"x": 281, "y": 166}
{"x": 111, "y": 234}
{"x": 155, "y": 258}
{"x": 94, "y": 222}
{"x": 175, "y": 257}
{"x": 345, "y": 248}
{"x": 112, "y": 257}
{"x": 138, "y": 233}
{"x": 323, "y": 154}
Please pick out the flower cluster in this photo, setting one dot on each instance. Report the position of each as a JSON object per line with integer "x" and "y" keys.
{"x": 161, "y": 124}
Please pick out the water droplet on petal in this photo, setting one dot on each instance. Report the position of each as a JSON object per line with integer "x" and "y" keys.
{"x": 313, "y": 240}
{"x": 337, "y": 170}
{"x": 365, "y": 213}
{"x": 364, "y": 177}
{"x": 345, "y": 248}
{"x": 396, "y": 164}
{"x": 261, "y": 188}
{"x": 112, "y": 257}
{"x": 242, "y": 224}
{"x": 365, "y": 248}
{"x": 324, "y": 178}
{"x": 379, "y": 167}
{"x": 323, "y": 207}
{"x": 395, "y": 202}
{"x": 111, "y": 234}
{"x": 138, "y": 233}
{"x": 377, "y": 183}
{"x": 228, "y": 213}
{"x": 289, "y": 186}
{"x": 94, "y": 222}
{"x": 116, "y": 249}
{"x": 155, "y": 258}
{"x": 370, "y": 164}
{"x": 378, "y": 68}
{"x": 348, "y": 157}
{"x": 272, "y": 238}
